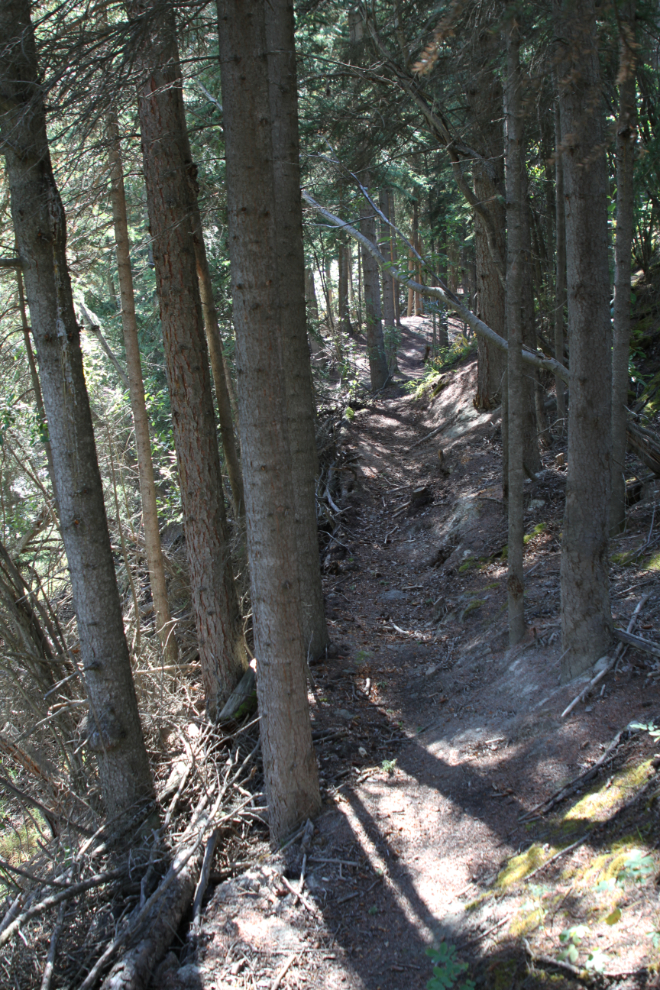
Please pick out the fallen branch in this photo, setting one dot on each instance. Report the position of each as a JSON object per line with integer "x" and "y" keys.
{"x": 31, "y": 876}
{"x": 564, "y": 967}
{"x": 277, "y": 982}
{"x": 557, "y": 855}
{"x": 638, "y": 642}
{"x": 48, "y": 812}
{"x": 49, "y": 902}
{"x": 52, "y": 950}
{"x": 611, "y": 663}
{"x": 564, "y": 792}
{"x": 441, "y": 292}
{"x": 438, "y": 429}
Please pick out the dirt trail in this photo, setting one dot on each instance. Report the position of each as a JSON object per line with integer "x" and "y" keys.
{"x": 434, "y": 738}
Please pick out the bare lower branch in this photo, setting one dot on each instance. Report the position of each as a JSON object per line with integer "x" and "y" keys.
{"x": 440, "y": 292}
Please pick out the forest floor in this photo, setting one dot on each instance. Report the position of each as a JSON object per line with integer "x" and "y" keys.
{"x": 436, "y": 741}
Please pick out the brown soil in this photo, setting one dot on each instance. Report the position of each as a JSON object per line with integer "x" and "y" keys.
{"x": 434, "y": 739}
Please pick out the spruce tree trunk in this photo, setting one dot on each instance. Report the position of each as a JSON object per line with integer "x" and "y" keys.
{"x": 391, "y": 213}
{"x": 310, "y": 294}
{"x": 560, "y": 277}
{"x": 217, "y": 359}
{"x": 301, "y": 410}
{"x": 371, "y": 276}
{"x": 584, "y": 563}
{"x": 342, "y": 291}
{"x": 389, "y": 315}
{"x": 485, "y": 108}
{"x": 625, "y": 163}
{"x": 152, "y": 544}
{"x": 259, "y": 292}
{"x": 515, "y": 208}
{"x": 167, "y": 168}
{"x": 530, "y": 381}
{"x": 114, "y": 732}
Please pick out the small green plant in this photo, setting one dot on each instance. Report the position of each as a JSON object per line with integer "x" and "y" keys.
{"x": 571, "y": 938}
{"x": 596, "y": 961}
{"x": 446, "y": 969}
{"x": 638, "y": 866}
{"x": 349, "y": 414}
{"x": 373, "y": 910}
{"x": 389, "y": 766}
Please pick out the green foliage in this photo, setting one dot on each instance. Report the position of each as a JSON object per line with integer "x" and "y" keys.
{"x": 571, "y": 939}
{"x": 389, "y": 766}
{"x": 447, "y": 970}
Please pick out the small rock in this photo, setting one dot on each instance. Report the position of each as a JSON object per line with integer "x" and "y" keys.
{"x": 362, "y": 751}
{"x": 589, "y": 708}
{"x": 344, "y": 713}
{"x": 393, "y": 595}
{"x": 536, "y": 503}
{"x": 431, "y": 669}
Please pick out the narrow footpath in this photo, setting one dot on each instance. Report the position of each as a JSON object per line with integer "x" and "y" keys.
{"x": 436, "y": 741}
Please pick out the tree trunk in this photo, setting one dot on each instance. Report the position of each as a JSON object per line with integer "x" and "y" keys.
{"x": 114, "y": 733}
{"x": 167, "y": 166}
{"x": 34, "y": 378}
{"x": 625, "y": 163}
{"x": 217, "y": 358}
{"x": 515, "y": 221}
{"x": 560, "y": 277}
{"x": 530, "y": 381}
{"x": 301, "y": 410}
{"x": 310, "y": 295}
{"x": 389, "y": 315}
{"x": 375, "y": 344}
{"x": 260, "y": 290}
{"x": 584, "y": 562}
{"x": 342, "y": 290}
{"x": 485, "y": 106}
{"x": 152, "y": 545}
{"x": 393, "y": 258}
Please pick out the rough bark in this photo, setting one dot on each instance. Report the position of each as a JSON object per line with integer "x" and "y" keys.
{"x": 560, "y": 276}
{"x": 584, "y": 562}
{"x": 371, "y": 279}
{"x": 515, "y": 209}
{"x": 530, "y": 385}
{"x": 167, "y": 167}
{"x": 301, "y": 413}
{"x": 342, "y": 291}
{"x": 34, "y": 378}
{"x": 289, "y": 761}
{"x": 625, "y": 162}
{"x": 310, "y": 294}
{"x": 152, "y": 545}
{"x": 389, "y": 314}
{"x": 393, "y": 258}
{"x": 484, "y": 96}
{"x": 114, "y": 733}
{"x": 217, "y": 359}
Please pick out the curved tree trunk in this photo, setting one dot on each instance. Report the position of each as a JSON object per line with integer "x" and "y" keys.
{"x": 625, "y": 165}
{"x": 585, "y": 595}
{"x": 260, "y": 290}
{"x": 167, "y": 165}
{"x": 114, "y": 733}
{"x": 152, "y": 545}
